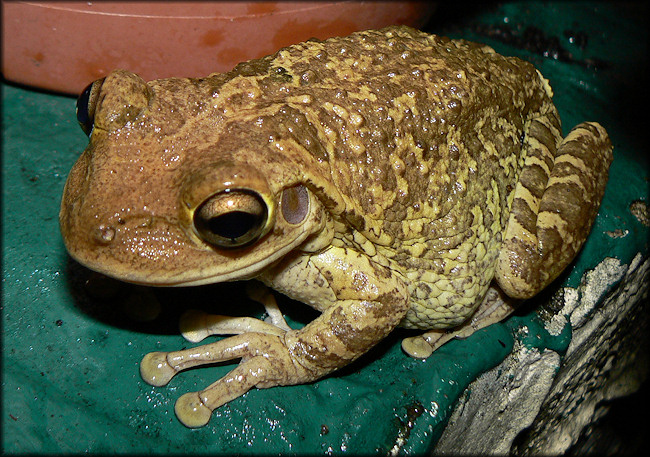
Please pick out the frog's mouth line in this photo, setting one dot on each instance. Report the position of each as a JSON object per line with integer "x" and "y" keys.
{"x": 187, "y": 266}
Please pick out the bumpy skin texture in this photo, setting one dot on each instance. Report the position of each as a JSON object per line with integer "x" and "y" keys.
{"x": 400, "y": 174}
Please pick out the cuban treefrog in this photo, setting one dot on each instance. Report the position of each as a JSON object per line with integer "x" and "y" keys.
{"x": 385, "y": 178}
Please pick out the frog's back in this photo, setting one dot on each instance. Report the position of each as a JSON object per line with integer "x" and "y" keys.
{"x": 404, "y": 119}
{"x": 413, "y": 125}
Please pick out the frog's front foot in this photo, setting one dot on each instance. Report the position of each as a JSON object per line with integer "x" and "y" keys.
{"x": 196, "y": 325}
{"x": 265, "y": 362}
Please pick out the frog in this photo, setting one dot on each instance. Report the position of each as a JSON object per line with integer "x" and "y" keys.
{"x": 388, "y": 178}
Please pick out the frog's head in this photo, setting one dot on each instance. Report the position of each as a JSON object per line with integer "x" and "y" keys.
{"x": 165, "y": 195}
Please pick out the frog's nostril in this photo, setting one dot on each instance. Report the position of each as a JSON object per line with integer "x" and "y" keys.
{"x": 104, "y": 234}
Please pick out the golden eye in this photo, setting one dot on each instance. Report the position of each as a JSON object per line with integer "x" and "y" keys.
{"x": 232, "y": 218}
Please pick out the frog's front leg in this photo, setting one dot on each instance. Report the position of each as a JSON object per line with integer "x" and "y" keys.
{"x": 366, "y": 302}
{"x": 555, "y": 203}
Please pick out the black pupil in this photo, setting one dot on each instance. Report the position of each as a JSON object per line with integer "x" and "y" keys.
{"x": 82, "y": 110}
{"x": 233, "y": 225}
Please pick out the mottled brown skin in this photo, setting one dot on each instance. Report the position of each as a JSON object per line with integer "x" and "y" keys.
{"x": 398, "y": 174}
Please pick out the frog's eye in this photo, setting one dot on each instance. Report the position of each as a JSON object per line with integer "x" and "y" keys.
{"x": 86, "y": 105}
{"x": 232, "y": 218}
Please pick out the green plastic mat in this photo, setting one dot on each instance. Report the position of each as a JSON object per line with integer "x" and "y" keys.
{"x": 72, "y": 342}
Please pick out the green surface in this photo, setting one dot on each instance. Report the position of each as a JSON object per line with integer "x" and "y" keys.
{"x": 71, "y": 352}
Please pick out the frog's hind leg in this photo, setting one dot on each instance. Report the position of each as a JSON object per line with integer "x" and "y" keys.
{"x": 555, "y": 203}
{"x": 197, "y": 325}
{"x": 494, "y": 308}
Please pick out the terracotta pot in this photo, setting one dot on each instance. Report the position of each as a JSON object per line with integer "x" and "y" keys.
{"x": 62, "y": 46}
